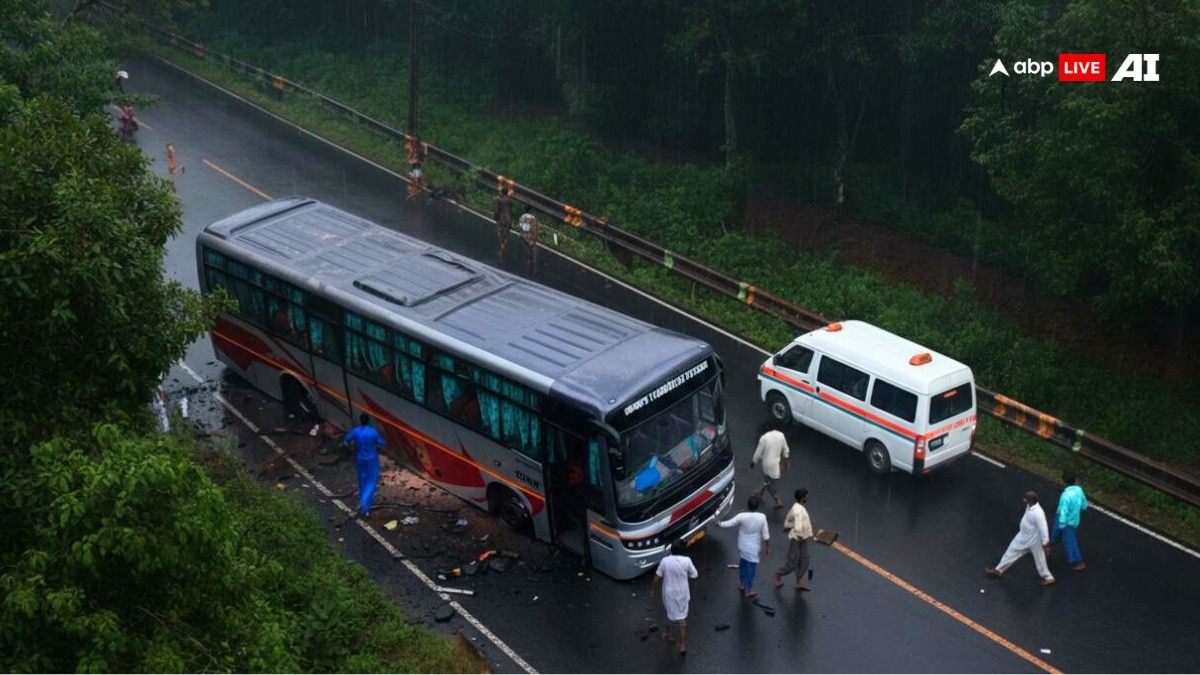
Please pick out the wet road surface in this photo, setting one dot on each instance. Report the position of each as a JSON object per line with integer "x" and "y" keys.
{"x": 904, "y": 592}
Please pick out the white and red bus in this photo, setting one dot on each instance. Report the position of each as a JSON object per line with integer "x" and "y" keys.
{"x": 590, "y": 428}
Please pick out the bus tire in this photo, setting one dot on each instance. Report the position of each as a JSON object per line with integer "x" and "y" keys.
{"x": 877, "y": 457}
{"x": 509, "y": 506}
{"x": 778, "y": 409}
{"x": 297, "y": 401}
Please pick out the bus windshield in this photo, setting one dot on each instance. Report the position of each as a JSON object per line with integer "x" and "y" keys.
{"x": 667, "y": 448}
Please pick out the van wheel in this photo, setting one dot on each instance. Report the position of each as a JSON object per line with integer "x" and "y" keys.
{"x": 297, "y": 401}
{"x": 877, "y": 457}
{"x": 509, "y": 506}
{"x": 778, "y": 408}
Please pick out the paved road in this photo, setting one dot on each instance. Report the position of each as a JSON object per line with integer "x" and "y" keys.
{"x": 904, "y": 593}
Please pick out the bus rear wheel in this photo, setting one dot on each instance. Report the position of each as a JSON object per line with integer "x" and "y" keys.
{"x": 509, "y": 506}
{"x": 877, "y": 457}
{"x": 778, "y": 409}
{"x": 297, "y": 401}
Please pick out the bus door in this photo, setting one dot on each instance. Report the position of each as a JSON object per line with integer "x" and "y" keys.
{"x": 567, "y": 483}
{"x": 325, "y": 345}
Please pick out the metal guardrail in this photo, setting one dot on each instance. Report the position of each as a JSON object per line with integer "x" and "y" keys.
{"x": 1126, "y": 462}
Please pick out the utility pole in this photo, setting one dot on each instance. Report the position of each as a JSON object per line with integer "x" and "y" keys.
{"x": 412, "y": 69}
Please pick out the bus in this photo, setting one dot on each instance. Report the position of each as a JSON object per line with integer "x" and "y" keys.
{"x": 585, "y": 427}
{"x": 905, "y": 406}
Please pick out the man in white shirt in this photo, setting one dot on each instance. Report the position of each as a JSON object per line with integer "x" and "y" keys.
{"x": 752, "y": 537}
{"x": 800, "y": 533}
{"x": 1033, "y": 537}
{"x": 673, "y": 572}
{"x": 772, "y": 451}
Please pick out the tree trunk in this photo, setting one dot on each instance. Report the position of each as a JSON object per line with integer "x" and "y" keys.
{"x": 731, "y": 148}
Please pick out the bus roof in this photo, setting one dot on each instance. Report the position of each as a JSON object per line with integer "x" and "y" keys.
{"x": 885, "y": 354}
{"x": 550, "y": 339}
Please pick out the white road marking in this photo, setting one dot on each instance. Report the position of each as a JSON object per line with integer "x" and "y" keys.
{"x": 987, "y": 459}
{"x": 374, "y": 533}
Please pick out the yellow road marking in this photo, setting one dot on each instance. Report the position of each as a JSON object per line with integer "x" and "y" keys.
{"x": 946, "y": 609}
{"x": 237, "y": 180}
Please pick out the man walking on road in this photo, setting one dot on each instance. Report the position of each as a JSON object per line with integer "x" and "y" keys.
{"x": 752, "y": 537}
{"x": 1033, "y": 537}
{"x": 800, "y": 534}
{"x": 1070, "y": 503}
{"x": 366, "y": 443}
{"x": 772, "y": 451}
{"x": 673, "y": 572}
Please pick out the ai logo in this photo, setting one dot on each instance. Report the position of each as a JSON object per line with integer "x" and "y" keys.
{"x": 1139, "y": 68}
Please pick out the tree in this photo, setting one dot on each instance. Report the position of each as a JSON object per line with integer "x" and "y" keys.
{"x": 1103, "y": 177}
{"x": 88, "y": 322}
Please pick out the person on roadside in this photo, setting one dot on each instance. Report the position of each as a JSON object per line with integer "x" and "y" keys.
{"x": 800, "y": 534}
{"x": 529, "y": 232}
{"x": 503, "y": 217}
{"x": 1033, "y": 537}
{"x": 366, "y": 441}
{"x": 754, "y": 538}
{"x": 1071, "y": 503}
{"x": 674, "y": 573}
{"x": 773, "y": 452}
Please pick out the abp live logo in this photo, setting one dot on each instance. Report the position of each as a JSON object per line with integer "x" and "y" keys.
{"x": 1087, "y": 68}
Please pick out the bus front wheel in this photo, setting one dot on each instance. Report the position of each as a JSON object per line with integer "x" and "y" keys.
{"x": 509, "y": 506}
{"x": 877, "y": 457}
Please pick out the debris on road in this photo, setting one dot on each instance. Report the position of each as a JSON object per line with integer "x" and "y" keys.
{"x": 460, "y": 591}
{"x": 410, "y": 520}
{"x": 721, "y": 626}
{"x": 391, "y": 525}
{"x": 826, "y": 537}
{"x": 444, "y": 614}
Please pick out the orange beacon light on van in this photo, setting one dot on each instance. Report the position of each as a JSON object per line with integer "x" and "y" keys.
{"x": 920, "y": 359}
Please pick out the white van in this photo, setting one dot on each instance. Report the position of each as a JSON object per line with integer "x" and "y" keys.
{"x": 905, "y": 406}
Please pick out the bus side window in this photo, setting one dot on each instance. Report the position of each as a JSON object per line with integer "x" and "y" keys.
{"x": 323, "y": 336}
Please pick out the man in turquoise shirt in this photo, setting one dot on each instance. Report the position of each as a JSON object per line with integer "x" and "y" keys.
{"x": 1070, "y": 504}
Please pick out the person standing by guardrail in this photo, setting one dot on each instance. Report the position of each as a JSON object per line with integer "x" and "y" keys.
{"x": 1033, "y": 537}
{"x": 1070, "y": 503}
{"x": 503, "y": 217}
{"x": 529, "y": 232}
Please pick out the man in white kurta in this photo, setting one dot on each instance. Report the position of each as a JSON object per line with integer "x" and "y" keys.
{"x": 673, "y": 572}
{"x": 773, "y": 452}
{"x": 1033, "y": 537}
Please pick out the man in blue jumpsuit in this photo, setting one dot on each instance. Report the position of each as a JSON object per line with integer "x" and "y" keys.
{"x": 366, "y": 442}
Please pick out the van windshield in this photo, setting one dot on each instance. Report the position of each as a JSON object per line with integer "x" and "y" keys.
{"x": 951, "y": 403}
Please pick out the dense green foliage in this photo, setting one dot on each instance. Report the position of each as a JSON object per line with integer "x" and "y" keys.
{"x": 1107, "y": 174}
{"x": 140, "y": 562}
{"x": 1087, "y": 190}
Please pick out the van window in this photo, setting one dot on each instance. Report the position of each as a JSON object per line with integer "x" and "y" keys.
{"x": 894, "y": 400}
{"x": 843, "y": 378}
{"x": 951, "y": 402}
{"x": 795, "y": 358}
